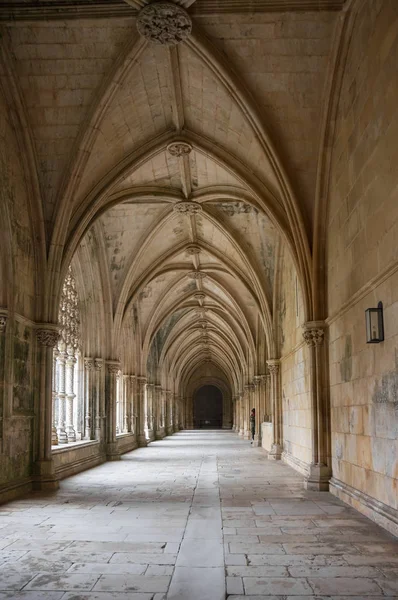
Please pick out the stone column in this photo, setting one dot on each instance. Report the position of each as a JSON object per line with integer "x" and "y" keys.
{"x": 276, "y": 400}
{"x": 320, "y": 471}
{"x": 141, "y": 411}
{"x": 54, "y": 436}
{"x": 3, "y": 351}
{"x": 159, "y": 433}
{"x": 112, "y": 372}
{"x": 175, "y": 413}
{"x": 169, "y": 412}
{"x": 44, "y": 472}
{"x": 99, "y": 404}
{"x": 150, "y": 412}
{"x": 133, "y": 396}
{"x": 268, "y": 402}
{"x": 88, "y": 405}
{"x": 61, "y": 363}
{"x": 70, "y": 394}
{"x": 126, "y": 403}
{"x": 257, "y": 381}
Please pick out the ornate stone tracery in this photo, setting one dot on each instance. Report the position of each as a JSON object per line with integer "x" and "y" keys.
{"x": 164, "y": 23}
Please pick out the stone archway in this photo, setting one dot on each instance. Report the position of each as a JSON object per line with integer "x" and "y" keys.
{"x": 208, "y": 407}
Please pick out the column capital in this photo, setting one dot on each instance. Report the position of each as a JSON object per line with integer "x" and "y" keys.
{"x": 314, "y": 333}
{"x": 158, "y": 387}
{"x": 132, "y": 378}
{"x": 273, "y": 365}
{"x": 142, "y": 380}
{"x": 88, "y": 363}
{"x": 98, "y": 364}
{"x": 47, "y": 334}
{"x": 113, "y": 367}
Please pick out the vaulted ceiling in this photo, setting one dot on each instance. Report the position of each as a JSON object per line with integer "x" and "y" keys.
{"x": 189, "y": 164}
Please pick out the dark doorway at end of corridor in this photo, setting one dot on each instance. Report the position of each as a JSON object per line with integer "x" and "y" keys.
{"x": 208, "y": 408}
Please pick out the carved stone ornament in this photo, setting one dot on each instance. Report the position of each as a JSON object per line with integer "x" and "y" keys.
{"x": 179, "y": 149}
{"x": 202, "y": 323}
{"x": 88, "y": 363}
{"x": 47, "y": 337}
{"x": 113, "y": 368}
{"x": 3, "y": 323}
{"x": 314, "y": 333}
{"x": 193, "y": 249}
{"x": 197, "y": 275}
{"x": 199, "y": 296}
{"x": 273, "y": 366}
{"x": 164, "y": 23}
{"x": 98, "y": 362}
{"x": 187, "y": 207}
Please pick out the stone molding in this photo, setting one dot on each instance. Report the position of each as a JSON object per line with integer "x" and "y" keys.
{"x": 179, "y": 148}
{"x": 199, "y": 296}
{"x": 187, "y": 207}
{"x": 314, "y": 333}
{"x": 164, "y": 23}
{"x": 47, "y": 337}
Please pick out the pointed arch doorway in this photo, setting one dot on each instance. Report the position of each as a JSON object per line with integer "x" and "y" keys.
{"x": 208, "y": 408}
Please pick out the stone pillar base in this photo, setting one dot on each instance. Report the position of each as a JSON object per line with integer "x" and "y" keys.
{"x": 275, "y": 453}
{"x": 112, "y": 452}
{"x": 150, "y": 435}
{"x": 160, "y": 434}
{"x": 169, "y": 430}
{"x": 241, "y": 432}
{"x": 318, "y": 478}
{"x": 256, "y": 442}
{"x": 142, "y": 441}
{"x": 247, "y": 435}
{"x": 45, "y": 478}
{"x": 175, "y": 428}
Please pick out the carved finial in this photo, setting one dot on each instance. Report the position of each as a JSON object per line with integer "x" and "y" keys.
{"x": 164, "y": 23}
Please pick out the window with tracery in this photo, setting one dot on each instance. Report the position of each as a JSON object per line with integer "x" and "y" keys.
{"x": 68, "y": 408}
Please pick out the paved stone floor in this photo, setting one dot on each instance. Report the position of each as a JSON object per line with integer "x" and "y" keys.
{"x": 197, "y": 515}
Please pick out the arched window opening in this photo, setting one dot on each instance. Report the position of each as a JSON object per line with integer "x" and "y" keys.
{"x": 69, "y": 412}
{"x": 208, "y": 408}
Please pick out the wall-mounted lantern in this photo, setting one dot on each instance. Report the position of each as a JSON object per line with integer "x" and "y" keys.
{"x": 374, "y": 324}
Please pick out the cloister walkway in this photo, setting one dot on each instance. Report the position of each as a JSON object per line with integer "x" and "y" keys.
{"x": 200, "y": 514}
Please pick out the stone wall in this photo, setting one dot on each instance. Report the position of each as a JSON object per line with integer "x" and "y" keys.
{"x": 17, "y": 338}
{"x": 362, "y": 267}
{"x": 296, "y": 405}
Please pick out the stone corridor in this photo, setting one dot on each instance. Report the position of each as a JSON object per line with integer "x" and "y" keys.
{"x": 200, "y": 514}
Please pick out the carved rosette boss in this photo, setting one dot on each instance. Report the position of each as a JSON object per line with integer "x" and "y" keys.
{"x": 164, "y": 23}
{"x": 179, "y": 149}
{"x": 197, "y": 275}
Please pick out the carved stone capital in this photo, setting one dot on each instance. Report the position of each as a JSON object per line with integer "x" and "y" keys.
{"x": 314, "y": 333}
{"x": 187, "y": 207}
{"x": 98, "y": 364}
{"x": 164, "y": 23}
{"x": 197, "y": 275}
{"x": 113, "y": 368}
{"x": 179, "y": 148}
{"x": 47, "y": 337}
{"x": 273, "y": 365}
{"x": 142, "y": 380}
{"x": 88, "y": 363}
{"x": 3, "y": 323}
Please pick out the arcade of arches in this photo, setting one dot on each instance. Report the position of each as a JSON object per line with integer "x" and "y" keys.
{"x": 201, "y": 216}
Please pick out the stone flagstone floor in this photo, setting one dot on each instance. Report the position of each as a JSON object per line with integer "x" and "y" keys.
{"x": 199, "y": 515}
